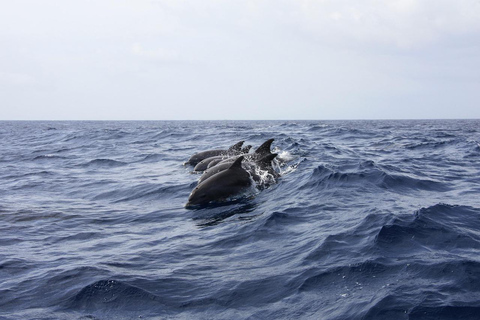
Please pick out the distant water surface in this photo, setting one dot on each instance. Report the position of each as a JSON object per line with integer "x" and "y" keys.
{"x": 370, "y": 220}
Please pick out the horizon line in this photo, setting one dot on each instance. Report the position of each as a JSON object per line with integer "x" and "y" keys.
{"x": 144, "y": 120}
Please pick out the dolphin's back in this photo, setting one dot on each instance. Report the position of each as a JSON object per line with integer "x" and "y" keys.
{"x": 222, "y": 185}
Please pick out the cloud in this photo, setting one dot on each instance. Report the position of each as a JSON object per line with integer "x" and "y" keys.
{"x": 240, "y": 58}
{"x": 401, "y": 23}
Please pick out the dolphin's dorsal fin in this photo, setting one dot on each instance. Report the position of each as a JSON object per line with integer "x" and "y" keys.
{"x": 267, "y": 159}
{"x": 237, "y": 163}
{"x": 236, "y": 147}
{"x": 265, "y": 147}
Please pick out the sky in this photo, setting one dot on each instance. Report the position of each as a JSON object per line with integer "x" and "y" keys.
{"x": 245, "y": 60}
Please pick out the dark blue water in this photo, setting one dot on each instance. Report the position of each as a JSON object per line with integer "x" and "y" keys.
{"x": 370, "y": 220}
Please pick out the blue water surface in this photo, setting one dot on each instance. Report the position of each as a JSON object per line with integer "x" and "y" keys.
{"x": 369, "y": 220}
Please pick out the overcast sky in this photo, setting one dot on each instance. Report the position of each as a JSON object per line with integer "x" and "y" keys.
{"x": 259, "y": 59}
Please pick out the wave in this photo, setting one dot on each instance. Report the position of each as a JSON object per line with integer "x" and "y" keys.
{"x": 361, "y": 238}
{"x": 243, "y": 209}
{"x": 430, "y": 144}
{"x": 112, "y": 295}
{"x": 318, "y": 127}
{"x": 442, "y": 226}
{"x": 368, "y": 174}
{"x": 73, "y": 237}
{"x": 473, "y": 150}
{"x": 143, "y": 192}
{"x": 15, "y": 267}
{"x": 43, "y": 174}
{"x": 444, "y": 312}
{"x": 392, "y": 306}
{"x": 409, "y": 265}
{"x": 156, "y": 157}
{"x": 104, "y": 163}
{"x": 49, "y": 157}
{"x": 352, "y": 274}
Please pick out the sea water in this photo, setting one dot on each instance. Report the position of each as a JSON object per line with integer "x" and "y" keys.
{"x": 369, "y": 220}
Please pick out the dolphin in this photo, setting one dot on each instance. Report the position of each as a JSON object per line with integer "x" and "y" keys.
{"x": 203, "y": 165}
{"x": 259, "y": 153}
{"x": 217, "y": 160}
{"x": 211, "y": 161}
{"x": 221, "y": 186}
{"x": 264, "y": 164}
{"x": 214, "y": 162}
{"x": 246, "y": 149}
{"x": 263, "y": 150}
{"x": 197, "y": 157}
{"x": 214, "y": 170}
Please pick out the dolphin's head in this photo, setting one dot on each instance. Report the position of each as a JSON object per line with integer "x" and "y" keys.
{"x": 201, "y": 195}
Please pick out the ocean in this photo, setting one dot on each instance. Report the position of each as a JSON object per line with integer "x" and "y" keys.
{"x": 368, "y": 220}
